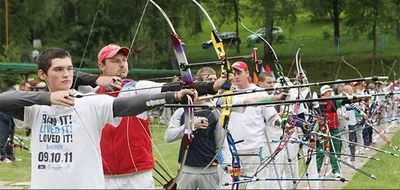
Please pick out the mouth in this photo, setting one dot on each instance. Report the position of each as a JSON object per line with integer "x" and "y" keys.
{"x": 65, "y": 81}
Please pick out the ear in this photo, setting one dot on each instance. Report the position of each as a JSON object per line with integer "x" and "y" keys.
{"x": 102, "y": 67}
{"x": 42, "y": 75}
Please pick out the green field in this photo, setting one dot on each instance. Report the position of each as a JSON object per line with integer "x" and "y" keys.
{"x": 387, "y": 169}
{"x": 321, "y": 58}
{"x": 307, "y": 32}
{"x": 17, "y": 171}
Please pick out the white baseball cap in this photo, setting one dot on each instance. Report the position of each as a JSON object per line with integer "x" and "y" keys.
{"x": 325, "y": 88}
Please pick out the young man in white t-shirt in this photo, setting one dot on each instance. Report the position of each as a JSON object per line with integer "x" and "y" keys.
{"x": 66, "y": 135}
{"x": 254, "y": 126}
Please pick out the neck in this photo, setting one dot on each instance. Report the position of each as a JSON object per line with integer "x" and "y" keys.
{"x": 244, "y": 86}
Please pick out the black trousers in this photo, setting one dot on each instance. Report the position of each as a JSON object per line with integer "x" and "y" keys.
{"x": 7, "y": 131}
{"x": 352, "y": 138}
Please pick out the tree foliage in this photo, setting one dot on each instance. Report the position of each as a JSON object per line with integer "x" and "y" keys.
{"x": 370, "y": 17}
{"x": 67, "y": 24}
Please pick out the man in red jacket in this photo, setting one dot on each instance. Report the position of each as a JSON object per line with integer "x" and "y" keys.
{"x": 127, "y": 148}
{"x": 127, "y": 159}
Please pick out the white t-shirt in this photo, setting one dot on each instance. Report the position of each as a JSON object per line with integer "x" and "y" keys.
{"x": 351, "y": 113}
{"x": 249, "y": 125}
{"x": 303, "y": 94}
{"x": 65, "y": 143}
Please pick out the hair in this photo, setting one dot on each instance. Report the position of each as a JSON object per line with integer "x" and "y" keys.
{"x": 336, "y": 87}
{"x": 23, "y": 83}
{"x": 204, "y": 71}
{"x": 345, "y": 87}
{"x": 371, "y": 86}
{"x": 44, "y": 60}
{"x": 263, "y": 75}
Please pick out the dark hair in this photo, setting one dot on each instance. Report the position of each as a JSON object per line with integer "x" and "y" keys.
{"x": 262, "y": 76}
{"x": 44, "y": 60}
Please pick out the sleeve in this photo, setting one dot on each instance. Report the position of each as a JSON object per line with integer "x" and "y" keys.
{"x": 134, "y": 105}
{"x": 387, "y": 89}
{"x": 86, "y": 89}
{"x": 12, "y": 103}
{"x": 339, "y": 111}
{"x": 107, "y": 110}
{"x": 175, "y": 129}
{"x": 315, "y": 104}
{"x": 235, "y": 100}
{"x": 146, "y": 84}
{"x": 271, "y": 117}
{"x": 28, "y": 115}
{"x": 20, "y": 124}
{"x": 202, "y": 88}
{"x": 84, "y": 79}
{"x": 218, "y": 132}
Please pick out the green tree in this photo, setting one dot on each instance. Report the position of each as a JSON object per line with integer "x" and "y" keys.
{"x": 397, "y": 19}
{"x": 321, "y": 8}
{"x": 370, "y": 16}
{"x": 225, "y": 12}
{"x": 268, "y": 12}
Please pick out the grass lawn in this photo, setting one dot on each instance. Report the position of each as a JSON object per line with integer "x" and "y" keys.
{"x": 304, "y": 31}
{"x": 321, "y": 58}
{"x": 17, "y": 171}
{"x": 387, "y": 171}
{"x": 165, "y": 153}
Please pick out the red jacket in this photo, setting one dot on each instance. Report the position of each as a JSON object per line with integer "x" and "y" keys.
{"x": 329, "y": 108}
{"x": 117, "y": 157}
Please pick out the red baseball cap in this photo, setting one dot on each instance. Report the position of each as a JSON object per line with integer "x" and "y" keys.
{"x": 240, "y": 65}
{"x": 110, "y": 51}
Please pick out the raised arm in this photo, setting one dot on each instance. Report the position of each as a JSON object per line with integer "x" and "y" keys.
{"x": 134, "y": 105}
{"x": 12, "y": 103}
{"x": 84, "y": 79}
{"x": 202, "y": 88}
{"x": 175, "y": 128}
{"x": 111, "y": 82}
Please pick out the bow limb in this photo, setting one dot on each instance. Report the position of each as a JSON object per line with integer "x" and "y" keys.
{"x": 167, "y": 170}
{"x": 225, "y": 112}
{"x": 87, "y": 42}
{"x": 337, "y": 72}
{"x": 276, "y": 62}
{"x": 137, "y": 28}
{"x": 300, "y": 71}
{"x": 218, "y": 47}
{"x": 187, "y": 82}
{"x": 348, "y": 64}
{"x": 391, "y": 69}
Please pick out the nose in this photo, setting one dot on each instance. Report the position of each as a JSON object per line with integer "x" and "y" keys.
{"x": 66, "y": 73}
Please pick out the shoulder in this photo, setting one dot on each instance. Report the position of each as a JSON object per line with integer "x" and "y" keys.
{"x": 94, "y": 98}
{"x": 179, "y": 111}
{"x": 147, "y": 83}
